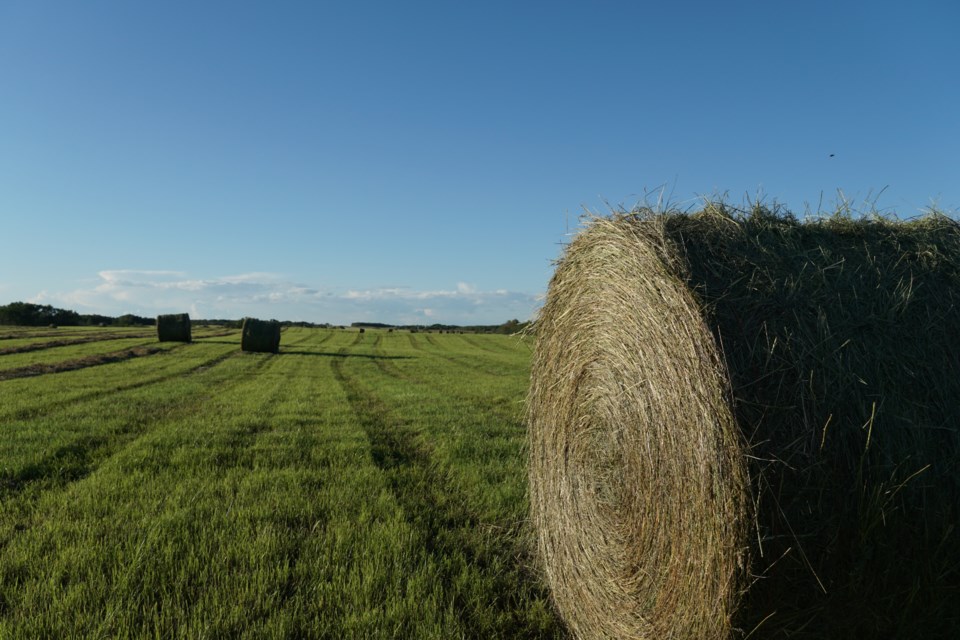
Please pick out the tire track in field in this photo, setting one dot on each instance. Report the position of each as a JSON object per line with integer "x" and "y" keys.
{"x": 241, "y": 438}
{"x": 285, "y": 347}
{"x": 16, "y": 335}
{"x": 40, "y": 346}
{"x": 206, "y": 365}
{"x": 214, "y": 333}
{"x": 438, "y": 513}
{"x": 461, "y": 362}
{"x": 386, "y": 366}
{"x": 78, "y": 459}
{"x": 78, "y": 363}
{"x": 292, "y": 552}
{"x": 305, "y": 337}
{"x": 384, "y": 363}
{"x": 416, "y": 344}
{"x": 47, "y": 407}
{"x": 479, "y": 344}
{"x": 318, "y": 342}
{"x": 485, "y": 346}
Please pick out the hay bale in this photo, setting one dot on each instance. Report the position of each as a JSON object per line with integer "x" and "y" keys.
{"x": 750, "y": 423}
{"x": 173, "y": 327}
{"x": 260, "y": 336}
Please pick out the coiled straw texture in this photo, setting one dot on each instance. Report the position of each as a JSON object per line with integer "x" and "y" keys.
{"x": 748, "y": 424}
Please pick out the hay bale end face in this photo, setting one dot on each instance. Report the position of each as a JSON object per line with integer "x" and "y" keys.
{"x": 174, "y": 327}
{"x": 750, "y": 423}
{"x": 260, "y": 336}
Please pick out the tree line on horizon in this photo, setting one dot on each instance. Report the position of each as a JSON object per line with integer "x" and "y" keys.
{"x": 508, "y": 327}
{"x": 28, "y": 314}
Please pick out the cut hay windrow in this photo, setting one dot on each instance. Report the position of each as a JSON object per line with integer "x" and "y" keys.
{"x": 260, "y": 336}
{"x": 749, "y": 424}
{"x": 173, "y": 327}
{"x": 78, "y": 363}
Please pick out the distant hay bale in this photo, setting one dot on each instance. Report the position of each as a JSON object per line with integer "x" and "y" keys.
{"x": 173, "y": 327}
{"x": 749, "y": 423}
{"x": 260, "y": 336}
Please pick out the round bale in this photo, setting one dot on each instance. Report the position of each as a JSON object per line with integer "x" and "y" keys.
{"x": 173, "y": 327}
{"x": 749, "y": 424}
{"x": 260, "y": 336}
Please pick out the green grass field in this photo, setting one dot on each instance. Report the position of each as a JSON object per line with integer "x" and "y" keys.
{"x": 355, "y": 485}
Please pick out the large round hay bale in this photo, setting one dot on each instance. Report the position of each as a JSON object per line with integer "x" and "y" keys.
{"x": 260, "y": 336}
{"x": 750, "y": 424}
{"x": 173, "y": 327}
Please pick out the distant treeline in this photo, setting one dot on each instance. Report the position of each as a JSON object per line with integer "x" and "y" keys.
{"x": 508, "y": 327}
{"x": 26, "y": 314}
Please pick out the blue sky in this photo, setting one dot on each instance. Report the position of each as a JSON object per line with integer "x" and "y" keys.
{"x": 424, "y": 161}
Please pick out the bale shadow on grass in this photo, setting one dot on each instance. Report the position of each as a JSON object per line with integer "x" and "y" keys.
{"x": 331, "y": 354}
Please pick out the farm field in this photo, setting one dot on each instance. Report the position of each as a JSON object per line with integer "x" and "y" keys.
{"x": 355, "y": 485}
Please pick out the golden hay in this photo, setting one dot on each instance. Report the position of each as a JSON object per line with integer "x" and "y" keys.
{"x": 750, "y": 424}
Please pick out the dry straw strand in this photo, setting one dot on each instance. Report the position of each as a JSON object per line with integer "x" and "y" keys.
{"x": 681, "y": 490}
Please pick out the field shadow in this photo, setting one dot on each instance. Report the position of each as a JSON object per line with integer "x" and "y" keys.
{"x": 331, "y": 354}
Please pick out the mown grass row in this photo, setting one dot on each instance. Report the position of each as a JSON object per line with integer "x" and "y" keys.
{"x": 24, "y": 339}
{"x": 71, "y": 352}
{"x": 31, "y": 356}
{"x": 352, "y": 486}
{"x": 24, "y": 345}
{"x": 16, "y": 333}
{"x": 472, "y": 550}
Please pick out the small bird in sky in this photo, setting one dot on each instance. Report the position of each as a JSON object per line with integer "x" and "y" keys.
{"x": 832, "y": 154}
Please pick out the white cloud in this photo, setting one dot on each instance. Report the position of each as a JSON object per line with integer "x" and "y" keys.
{"x": 268, "y": 295}
{"x": 134, "y": 275}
